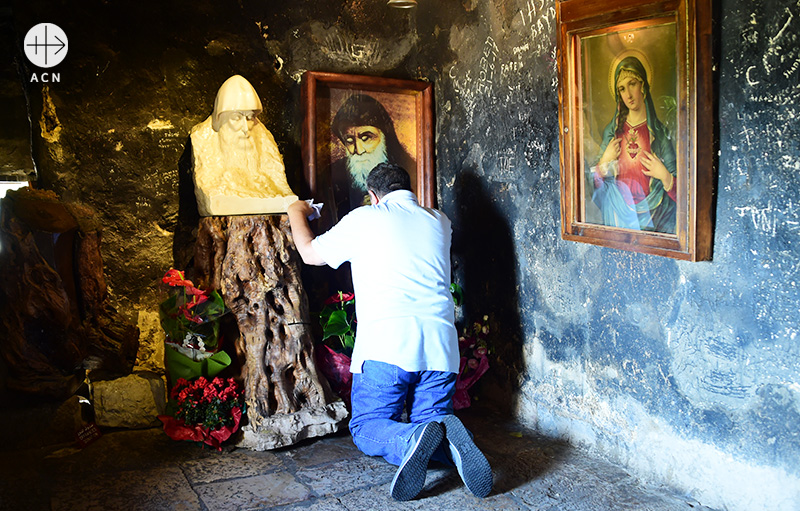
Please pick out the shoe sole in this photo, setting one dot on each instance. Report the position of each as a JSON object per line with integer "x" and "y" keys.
{"x": 469, "y": 460}
{"x": 410, "y": 477}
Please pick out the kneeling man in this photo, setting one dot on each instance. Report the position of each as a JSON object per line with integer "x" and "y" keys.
{"x": 406, "y": 352}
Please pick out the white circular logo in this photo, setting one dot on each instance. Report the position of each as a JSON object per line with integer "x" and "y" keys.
{"x": 46, "y": 45}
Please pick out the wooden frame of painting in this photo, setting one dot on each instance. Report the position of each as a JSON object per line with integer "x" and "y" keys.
{"x": 636, "y": 119}
{"x": 352, "y": 122}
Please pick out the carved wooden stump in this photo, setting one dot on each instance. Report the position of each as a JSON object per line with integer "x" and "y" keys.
{"x": 253, "y": 261}
{"x": 53, "y": 311}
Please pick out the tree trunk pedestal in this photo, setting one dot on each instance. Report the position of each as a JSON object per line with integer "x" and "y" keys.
{"x": 253, "y": 261}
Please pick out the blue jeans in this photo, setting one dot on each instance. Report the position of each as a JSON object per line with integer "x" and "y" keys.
{"x": 381, "y": 392}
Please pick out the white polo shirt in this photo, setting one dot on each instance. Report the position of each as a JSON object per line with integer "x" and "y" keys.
{"x": 399, "y": 256}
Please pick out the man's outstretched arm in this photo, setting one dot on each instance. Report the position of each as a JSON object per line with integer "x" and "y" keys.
{"x": 301, "y": 232}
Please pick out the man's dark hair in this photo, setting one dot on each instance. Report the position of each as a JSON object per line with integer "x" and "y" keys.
{"x": 386, "y": 178}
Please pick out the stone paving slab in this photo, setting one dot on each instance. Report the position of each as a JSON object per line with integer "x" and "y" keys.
{"x": 326, "y": 450}
{"x": 347, "y": 475}
{"x": 322, "y": 504}
{"x": 160, "y": 488}
{"x": 440, "y": 499}
{"x": 257, "y": 492}
{"x": 232, "y": 465}
{"x": 145, "y": 470}
{"x": 435, "y": 495}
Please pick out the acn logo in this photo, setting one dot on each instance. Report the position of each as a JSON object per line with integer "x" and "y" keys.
{"x": 46, "y": 45}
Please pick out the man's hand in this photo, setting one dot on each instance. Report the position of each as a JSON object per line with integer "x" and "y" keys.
{"x": 299, "y": 207}
{"x": 298, "y": 212}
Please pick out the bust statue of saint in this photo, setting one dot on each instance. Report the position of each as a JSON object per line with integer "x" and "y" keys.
{"x": 238, "y": 169}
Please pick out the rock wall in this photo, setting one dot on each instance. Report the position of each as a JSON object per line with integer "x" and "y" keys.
{"x": 686, "y": 372}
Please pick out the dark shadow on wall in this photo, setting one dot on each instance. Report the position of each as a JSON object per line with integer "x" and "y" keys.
{"x": 188, "y": 214}
{"x": 485, "y": 266}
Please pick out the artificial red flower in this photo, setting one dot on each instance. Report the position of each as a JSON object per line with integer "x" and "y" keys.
{"x": 194, "y": 319}
{"x": 339, "y": 297}
{"x": 191, "y": 290}
{"x": 175, "y": 278}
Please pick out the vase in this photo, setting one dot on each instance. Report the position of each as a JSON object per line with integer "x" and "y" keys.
{"x": 466, "y": 378}
{"x": 180, "y": 365}
{"x": 336, "y": 369}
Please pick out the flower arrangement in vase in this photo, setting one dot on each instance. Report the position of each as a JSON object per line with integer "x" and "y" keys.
{"x": 189, "y": 318}
{"x": 474, "y": 348}
{"x": 338, "y": 320}
{"x": 207, "y": 411}
{"x": 473, "y": 345}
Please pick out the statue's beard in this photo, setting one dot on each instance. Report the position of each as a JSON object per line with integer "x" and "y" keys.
{"x": 238, "y": 151}
{"x": 360, "y": 165}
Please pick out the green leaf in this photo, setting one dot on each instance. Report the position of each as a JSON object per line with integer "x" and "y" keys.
{"x": 348, "y": 342}
{"x": 457, "y": 292}
{"x": 211, "y": 309}
{"x": 336, "y": 325}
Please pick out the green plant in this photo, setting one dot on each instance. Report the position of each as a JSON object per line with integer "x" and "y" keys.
{"x": 338, "y": 320}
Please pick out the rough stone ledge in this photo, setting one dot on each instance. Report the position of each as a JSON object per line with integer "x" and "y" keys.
{"x": 281, "y": 430}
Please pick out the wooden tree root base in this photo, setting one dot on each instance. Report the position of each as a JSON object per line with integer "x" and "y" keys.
{"x": 252, "y": 259}
{"x": 281, "y": 430}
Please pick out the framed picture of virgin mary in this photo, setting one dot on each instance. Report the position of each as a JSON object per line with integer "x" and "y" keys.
{"x": 636, "y": 118}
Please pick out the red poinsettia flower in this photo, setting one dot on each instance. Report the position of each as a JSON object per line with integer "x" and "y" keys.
{"x": 206, "y": 411}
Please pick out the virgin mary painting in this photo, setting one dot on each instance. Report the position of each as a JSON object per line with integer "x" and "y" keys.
{"x": 635, "y": 178}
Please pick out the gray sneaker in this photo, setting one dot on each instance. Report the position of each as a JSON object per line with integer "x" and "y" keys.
{"x": 410, "y": 476}
{"x": 468, "y": 459}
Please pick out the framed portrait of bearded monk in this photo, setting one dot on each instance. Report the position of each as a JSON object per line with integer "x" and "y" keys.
{"x": 636, "y": 118}
{"x": 352, "y": 123}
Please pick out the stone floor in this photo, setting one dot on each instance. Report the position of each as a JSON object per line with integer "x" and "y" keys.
{"x": 145, "y": 470}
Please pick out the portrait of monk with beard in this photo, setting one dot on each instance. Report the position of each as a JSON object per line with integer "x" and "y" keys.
{"x": 367, "y": 132}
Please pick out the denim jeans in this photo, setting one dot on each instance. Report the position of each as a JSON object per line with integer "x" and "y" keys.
{"x": 380, "y": 394}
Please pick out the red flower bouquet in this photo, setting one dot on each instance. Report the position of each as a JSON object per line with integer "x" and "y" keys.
{"x": 206, "y": 411}
{"x": 190, "y": 320}
{"x": 189, "y": 316}
{"x": 474, "y": 348}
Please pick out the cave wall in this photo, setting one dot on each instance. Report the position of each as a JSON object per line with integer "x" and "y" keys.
{"x": 687, "y": 373}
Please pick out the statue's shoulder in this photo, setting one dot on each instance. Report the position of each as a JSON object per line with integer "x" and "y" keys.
{"x": 202, "y": 129}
